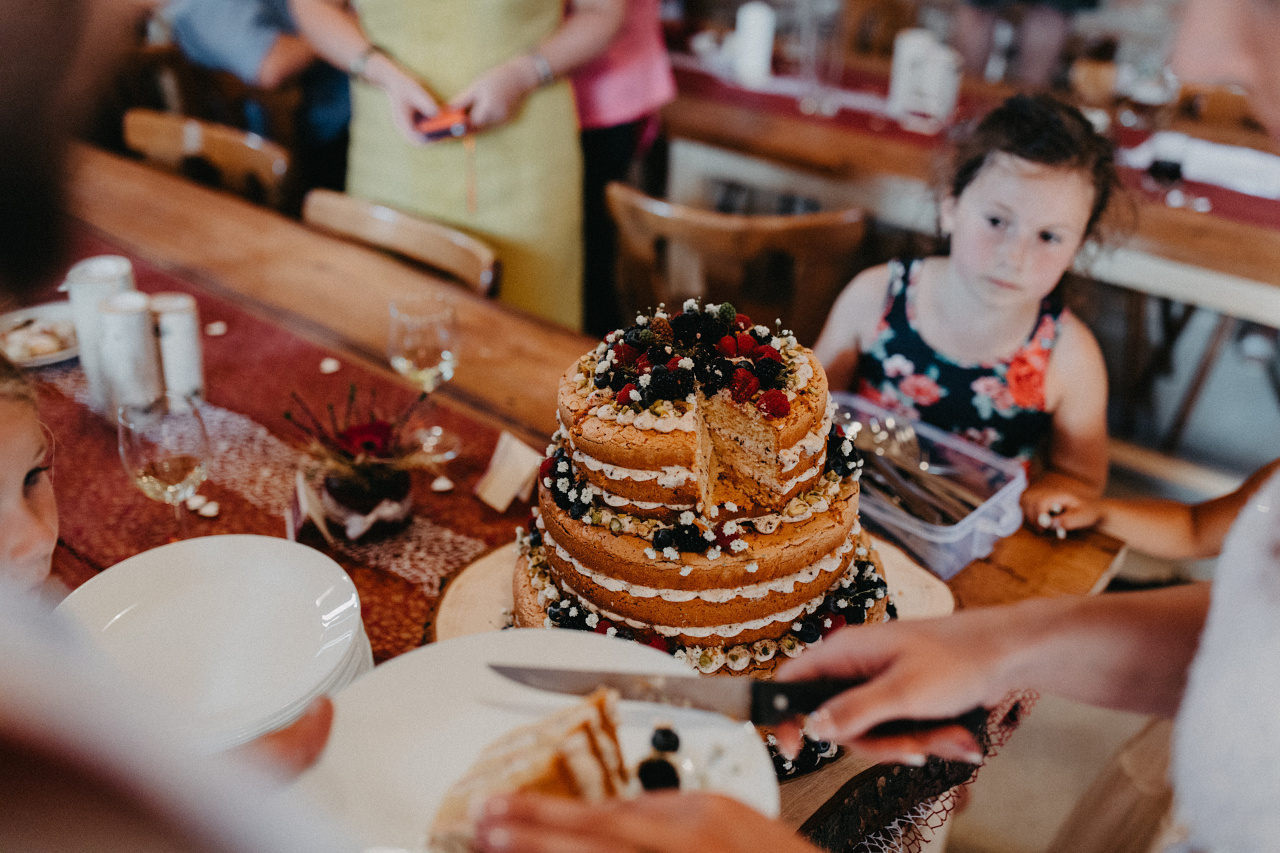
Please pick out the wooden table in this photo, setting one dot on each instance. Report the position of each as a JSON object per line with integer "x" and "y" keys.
{"x": 336, "y": 293}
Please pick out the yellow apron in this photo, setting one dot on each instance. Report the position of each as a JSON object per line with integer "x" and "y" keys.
{"x": 528, "y": 171}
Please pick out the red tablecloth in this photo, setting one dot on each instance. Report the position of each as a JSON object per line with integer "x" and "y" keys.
{"x": 250, "y": 373}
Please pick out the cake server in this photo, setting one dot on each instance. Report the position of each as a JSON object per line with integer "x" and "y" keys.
{"x": 764, "y": 703}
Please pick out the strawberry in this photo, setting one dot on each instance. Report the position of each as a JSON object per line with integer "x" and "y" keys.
{"x": 625, "y": 397}
{"x": 661, "y": 327}
{"x": 774, "y": 404}
{"x": 741, "y": 322}
{"x": 746, "y": 344}
{"x": 744, "y": 385}
{"x": 727, "y": 347}
{"x": 766, "y": 351}
{"x": 624, "y": 355}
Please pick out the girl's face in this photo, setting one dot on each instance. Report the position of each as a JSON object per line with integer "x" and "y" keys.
{"x": 28, "y": 512}
{"x": 1016, "y": 228}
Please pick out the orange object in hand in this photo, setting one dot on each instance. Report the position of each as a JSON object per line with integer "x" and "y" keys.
{"x": 444, "y": 124}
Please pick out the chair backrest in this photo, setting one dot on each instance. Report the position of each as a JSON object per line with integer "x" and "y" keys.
{"x": 668, "y": 252}
{"x": 447, "y": 249}
{"x": 1217, "y": 106}
{"x": 244, "y": 163}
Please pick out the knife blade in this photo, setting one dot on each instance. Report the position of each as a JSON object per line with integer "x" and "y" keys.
{"x": 764, "y": 703}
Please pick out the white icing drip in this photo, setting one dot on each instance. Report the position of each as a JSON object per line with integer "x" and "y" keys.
{"x": 619, "y": 501}
{"x": 670, "y": 477}
{"x": 646, "y": 420}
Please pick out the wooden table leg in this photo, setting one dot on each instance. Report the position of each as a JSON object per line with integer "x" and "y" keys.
{"x": 1221, "y": 332}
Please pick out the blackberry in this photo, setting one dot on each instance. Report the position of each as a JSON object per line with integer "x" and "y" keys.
{"x": 808, "y": 758}
{"x": 625, "y": 633}
{"x": 714, "y": 374}
{"x": 728, "y": 313}
{"x": 577, "y": 510}
{"x": 535, "y": 537}
{"x": 657, "y": 774}
{"x": 682, "y": 383}
{"x": 713, "y": 327}
{"x": 689, "y": 538}
{"x": 856, "y": 614}
{"x": 601, "y": 380}
{"x": 665, "y": 740}
{"x": 891, "y": 610}
{"x": 769, "y": 372}
{"x": 810, "y": 631}
{"x": 663, "y": 538}
{"x": 686, "y": 327}
{"x": 617, "y": 380}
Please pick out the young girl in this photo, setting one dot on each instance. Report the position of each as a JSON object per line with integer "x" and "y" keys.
{"x": 28, "y": 512}
{"x": 978, "y": 342}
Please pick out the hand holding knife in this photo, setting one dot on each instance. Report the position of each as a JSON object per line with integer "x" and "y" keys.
{"x": 764, "y": 703}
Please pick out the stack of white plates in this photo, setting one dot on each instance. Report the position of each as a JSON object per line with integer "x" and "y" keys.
{"x": 238, "y": 633}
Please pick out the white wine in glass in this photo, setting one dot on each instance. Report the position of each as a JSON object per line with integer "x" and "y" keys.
{"x": 165, "y": 449}
{"x": 421, "y": 347}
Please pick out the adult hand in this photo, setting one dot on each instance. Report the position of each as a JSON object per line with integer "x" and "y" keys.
{"x": 410, "y": 100}
{"x": 496, "y": 95}
{"x": 297, "y": 746}
{"x": 666, "y": 822}
{"x": 918, "y": 670}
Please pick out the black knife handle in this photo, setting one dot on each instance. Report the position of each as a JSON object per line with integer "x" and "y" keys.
{"x": 774, "y": 701}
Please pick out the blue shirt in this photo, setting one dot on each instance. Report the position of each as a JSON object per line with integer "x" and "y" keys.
{"x": 235, "y": 36}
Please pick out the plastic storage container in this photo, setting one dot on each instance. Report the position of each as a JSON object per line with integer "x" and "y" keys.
{"x": 946, "y": 549}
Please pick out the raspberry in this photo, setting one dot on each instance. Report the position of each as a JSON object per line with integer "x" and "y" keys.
{"x": 744, "y": 385}
{"x": 643, "y": 364}
{"x": 724, "y": 540}
{"x": 659, "y": 642}
{"x": 661, "y": 329}
{"x": 746, "y": 344}
{"x": 544, "y": 470}
{"x": 741, "y": 322}
{"x": 768, "y": 352}
{"x": 774, "y": 404}
{"x": 837, "y": 622}
{"x": 727, "y": 347}
{"x": 624, "y": 354}
{"x": 625, "y": 395}
{"x": 674, "y": 363}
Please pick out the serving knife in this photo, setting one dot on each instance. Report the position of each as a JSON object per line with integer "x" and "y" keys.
{"x": 764, "y": 703}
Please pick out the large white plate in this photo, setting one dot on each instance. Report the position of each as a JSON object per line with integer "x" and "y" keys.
{"x": 405, "y": 732}
{"x": 239, "y": 631}
{"x": 47, "y": 312}
{"x": 479, "y": 598}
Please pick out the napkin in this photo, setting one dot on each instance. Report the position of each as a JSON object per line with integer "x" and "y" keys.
{"x": 1232, "y": 167}
{"x": 512, "y": 472}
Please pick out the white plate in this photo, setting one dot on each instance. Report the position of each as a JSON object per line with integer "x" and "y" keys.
{"x": 48, "y": 312}
{"x": 239, "y": 631}
{"x": 480, "y": 598}
{"x": 405, "y": 732}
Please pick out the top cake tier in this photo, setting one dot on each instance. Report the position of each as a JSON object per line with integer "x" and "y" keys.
{"x": 699, "y": 411}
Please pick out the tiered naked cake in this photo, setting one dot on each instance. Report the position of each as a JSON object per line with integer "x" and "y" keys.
{"x": 698, "y": 497}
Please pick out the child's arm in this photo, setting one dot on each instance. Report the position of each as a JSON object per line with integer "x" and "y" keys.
{"x": 851, "y": 323}
{"x": 1165, "y": 528}
{"x": 1076, "y": 393}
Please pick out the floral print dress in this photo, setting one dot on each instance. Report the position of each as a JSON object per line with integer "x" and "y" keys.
{"x": 998, "y": 404}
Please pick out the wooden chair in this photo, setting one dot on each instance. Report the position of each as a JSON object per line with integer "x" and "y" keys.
{"x": 668, "y": 252}
{"x": 460, "y": 255}
{"x": 244, "y": 163}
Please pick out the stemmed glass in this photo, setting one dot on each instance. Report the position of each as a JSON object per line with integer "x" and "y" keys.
{"x": 421, "y": 347}
{"x": 165, "y": 448}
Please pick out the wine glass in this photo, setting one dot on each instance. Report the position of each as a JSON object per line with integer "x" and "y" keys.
{"x": 421, "y": 347}
{"x": 164, "y": 447}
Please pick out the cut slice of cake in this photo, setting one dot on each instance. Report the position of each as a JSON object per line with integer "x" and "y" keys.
{"x": 572, "y": 753}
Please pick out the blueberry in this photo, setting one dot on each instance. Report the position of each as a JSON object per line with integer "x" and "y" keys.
{"x": 553, "y": 612}
{"x": 663, "y": 538}
{"x": 810, "y": 631}
{"x": 535, "y": 538}
{"x": 576, "y": 510}
{"x": 625, "y": 633}
{"x": 657, "y": 773}
{"x": 602, "y": 380}
{"x": 665, "y": 740}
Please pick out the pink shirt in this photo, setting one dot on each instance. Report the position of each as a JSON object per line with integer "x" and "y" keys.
{"x": 632, "y": 78}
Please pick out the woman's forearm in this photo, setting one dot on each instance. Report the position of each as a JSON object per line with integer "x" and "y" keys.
{"x": 587, "y": 29}
{"x": 332, "y": 29}
{"x": 1128, "y": 651}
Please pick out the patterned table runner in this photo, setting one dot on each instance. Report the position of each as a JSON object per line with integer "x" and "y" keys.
{"x": 250, "y": 372}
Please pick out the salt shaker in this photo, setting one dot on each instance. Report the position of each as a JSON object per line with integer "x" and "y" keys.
{"x": 87, "y": 284}
{"x": 130, "y": 350}
{"x": 181, "y": 357}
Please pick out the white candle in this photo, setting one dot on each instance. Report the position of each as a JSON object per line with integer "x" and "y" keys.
{"x": 87, "y": 284}
{"x": 130, "y": 351}
{"x": 181, "y": 355}
{"x": 753, "y": 43}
